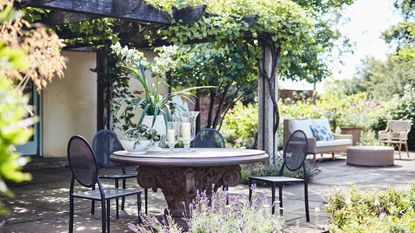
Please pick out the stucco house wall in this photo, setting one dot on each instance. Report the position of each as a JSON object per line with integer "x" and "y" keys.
{"x": 70, "y": 103}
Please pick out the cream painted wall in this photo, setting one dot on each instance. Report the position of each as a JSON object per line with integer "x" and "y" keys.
{"x": 69, "y": 104}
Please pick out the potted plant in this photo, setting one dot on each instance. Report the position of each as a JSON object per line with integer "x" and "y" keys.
{"x": 138, "y": 140}
{"x": 155, "y": 106}
{"x": 353, "y": 124}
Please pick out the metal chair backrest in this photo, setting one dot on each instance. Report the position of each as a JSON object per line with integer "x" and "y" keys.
{"x": 295, "y": 151}
{"x": 82, "y": 161}
{"x": 209, "y": 138}
{"x": 105, "y": 142}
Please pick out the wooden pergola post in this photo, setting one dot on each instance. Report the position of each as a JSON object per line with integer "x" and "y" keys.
{"x": 103, "y": 91}
{"x": 268, "y": 116}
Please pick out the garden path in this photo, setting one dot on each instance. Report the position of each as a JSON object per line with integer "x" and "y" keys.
{"x": 42, "y": 204}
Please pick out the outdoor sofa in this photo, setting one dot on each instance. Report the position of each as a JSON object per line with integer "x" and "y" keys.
{"x": 338, "y": 144}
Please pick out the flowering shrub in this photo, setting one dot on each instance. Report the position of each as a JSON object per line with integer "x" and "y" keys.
{"x": 216, "y": 216}
{"x": 399, "y": 109}
{"x": 240, "y": 126}
{"x": 362, "y": 211}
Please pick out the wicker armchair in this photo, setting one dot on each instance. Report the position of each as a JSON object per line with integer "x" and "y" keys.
{"x": 396, "y": 133}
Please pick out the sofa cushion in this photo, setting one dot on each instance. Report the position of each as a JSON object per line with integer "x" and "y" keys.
{"x": 321, "y": 133}
{"x": 303, "y": 125}
{"x": 337, "y": 142}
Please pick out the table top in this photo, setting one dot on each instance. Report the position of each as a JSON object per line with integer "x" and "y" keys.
{"x": 370, "y": 148}
{"x": 194, "y": 158}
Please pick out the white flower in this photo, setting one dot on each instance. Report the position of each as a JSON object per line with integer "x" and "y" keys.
{"x": 348, "y": 201}
{"x": 377, "y": 202}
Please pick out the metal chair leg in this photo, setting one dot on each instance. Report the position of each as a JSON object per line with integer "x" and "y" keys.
{"x": 307, "y": 212}
{"x": 225, "y": 188}
{"x": 108, "y": 214}
{"x": 139, "y": 207}
{"x": 117, "y": 201}
{"x": 124, "y": 186}
{"x": 104, "y": 217}
{"x": 280, "y": 198}
{"x": 146, "y": 200}
{"x": 71, "y": 213}
{"x": 273, "y": 199}
{"x": 93, "y": 204}
{"x": 250, "y": 192}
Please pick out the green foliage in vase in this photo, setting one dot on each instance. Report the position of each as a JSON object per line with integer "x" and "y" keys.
{"x": 141, "y": 132}
{"x": 153, "y": 103}
{"x": 363, "y": 211}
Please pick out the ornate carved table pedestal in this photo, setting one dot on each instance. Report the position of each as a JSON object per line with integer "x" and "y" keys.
{"x": 180, "y": 175}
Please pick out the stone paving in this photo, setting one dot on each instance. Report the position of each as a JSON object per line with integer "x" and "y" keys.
{"x": 41, "y": 206}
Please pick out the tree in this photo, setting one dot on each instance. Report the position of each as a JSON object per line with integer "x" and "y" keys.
{"x": 230, "y": 68}
{"x": 403, "y": 34}
{"x": 382, "y": 80}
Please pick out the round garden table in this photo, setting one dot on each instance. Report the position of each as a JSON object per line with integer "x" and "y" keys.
{"x": 180, "y": 174}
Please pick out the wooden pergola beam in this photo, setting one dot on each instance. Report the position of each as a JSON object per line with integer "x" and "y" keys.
{"x": 121, "y": 9}
{"x": 56, "y": 17}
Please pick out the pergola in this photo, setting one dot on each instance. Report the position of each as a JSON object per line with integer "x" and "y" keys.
{"x": 137, "y": 12}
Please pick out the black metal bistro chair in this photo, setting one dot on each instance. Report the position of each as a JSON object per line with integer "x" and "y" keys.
{"x": 84, "y": 169}
{"x": 208, "y": 138}
{"x": 105, "y": 143}
{"x": 294, "y": 156}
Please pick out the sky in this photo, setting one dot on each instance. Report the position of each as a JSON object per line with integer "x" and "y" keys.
{"x": 367, "y": 19}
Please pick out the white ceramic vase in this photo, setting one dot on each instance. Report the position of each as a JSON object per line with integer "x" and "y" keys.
{"x": 159, "y": 125}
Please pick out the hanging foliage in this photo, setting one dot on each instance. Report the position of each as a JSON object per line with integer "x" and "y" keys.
{"x": 41, "y": 45}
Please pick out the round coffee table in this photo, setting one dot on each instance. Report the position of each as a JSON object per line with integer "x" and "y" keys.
{"x": 370, "y": 156}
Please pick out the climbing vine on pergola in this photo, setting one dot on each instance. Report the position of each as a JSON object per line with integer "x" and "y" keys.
{"x": 284, "y": 31}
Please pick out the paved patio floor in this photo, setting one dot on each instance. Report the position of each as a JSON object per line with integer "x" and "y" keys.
{"x": 41, "y": 206}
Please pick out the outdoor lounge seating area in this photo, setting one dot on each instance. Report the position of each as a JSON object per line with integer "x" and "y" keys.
{"x": 338, "y": 144}
{"x": 249, "y": 116}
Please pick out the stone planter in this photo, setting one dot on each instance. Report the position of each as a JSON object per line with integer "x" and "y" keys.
{"x": 356, "y": 132}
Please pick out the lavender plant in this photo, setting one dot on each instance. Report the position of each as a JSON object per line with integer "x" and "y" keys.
{"x": 213, "y": 215}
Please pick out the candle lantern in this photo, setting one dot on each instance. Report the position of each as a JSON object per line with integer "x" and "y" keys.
{"x": 173, "y": 133}
{"x": 188, "y": 128}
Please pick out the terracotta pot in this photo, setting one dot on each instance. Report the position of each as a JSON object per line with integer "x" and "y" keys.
{"x": 356, "y": 132}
